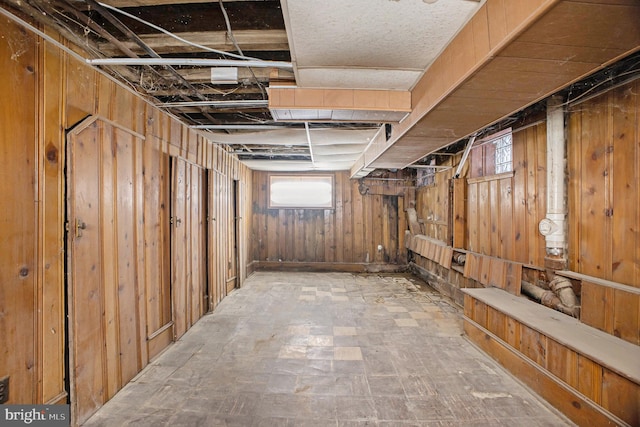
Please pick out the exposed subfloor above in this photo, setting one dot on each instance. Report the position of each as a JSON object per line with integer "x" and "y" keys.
{"x": 326, "y": 349}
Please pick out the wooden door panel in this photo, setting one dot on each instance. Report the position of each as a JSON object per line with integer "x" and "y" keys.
{"x": 179, "y": 246}
{"x": 159, "y": 318}
{"x": 105, "y": 334}
{"x": 85, "y": 294}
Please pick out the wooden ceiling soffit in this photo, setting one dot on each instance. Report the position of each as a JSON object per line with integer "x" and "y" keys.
{"x": 250, "y": 40}
{"x": 509, "y": 51}
{"x": 339, "y": 105}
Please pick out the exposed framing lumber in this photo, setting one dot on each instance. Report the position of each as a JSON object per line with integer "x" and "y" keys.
{"x": 250, "y": 40}
{"x": 138, "y": 3}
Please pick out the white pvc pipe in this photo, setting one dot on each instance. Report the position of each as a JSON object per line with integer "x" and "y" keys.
{"x": 553, "y": 226}
{"x": 467, "y": 150}
{"x": 202, "y": 62}
{"x": 306, "y": 128}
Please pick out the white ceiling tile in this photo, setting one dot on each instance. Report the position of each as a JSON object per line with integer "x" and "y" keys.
{"x": 369, "y": 35}
{"x": 361, "y": 78}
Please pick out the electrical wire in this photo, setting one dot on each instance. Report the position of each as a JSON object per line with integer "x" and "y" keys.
{"x": 235, "y": 43}
{"x": 607, "y": 80}
{"x": 170, "y": 34}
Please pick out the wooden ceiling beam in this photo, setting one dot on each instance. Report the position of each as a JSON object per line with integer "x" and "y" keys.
{"x": 248, "y": 40}
{"x": 203, "y": 75}
{"x": 211, "y": 92}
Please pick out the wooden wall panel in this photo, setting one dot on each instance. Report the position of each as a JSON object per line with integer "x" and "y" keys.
{"x": 432, "y": 206}
{"x": 18, "y": 215}
{"x": 611, "y": 308}
{"x": 52, "y": 214}
{"x": 604, "y": 172}
{"x": 130, "y": 318}
{"x": 503, "y": 211}
{"x": 349, "y": 233}
{"x": 621, "y": 396}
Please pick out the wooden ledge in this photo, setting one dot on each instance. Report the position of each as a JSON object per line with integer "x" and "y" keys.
{"x": 614, "y": 353}
{"x": 600, "y": 282}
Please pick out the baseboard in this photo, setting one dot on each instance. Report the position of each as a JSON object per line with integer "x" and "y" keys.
{"x": 327, "y": 267}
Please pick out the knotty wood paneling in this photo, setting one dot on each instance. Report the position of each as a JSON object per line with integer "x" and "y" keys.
{"x": 349, "y": 233}
{"x": 604, "y": 190}
{"x": 504, "y": 210}
{"x": 19, "y": 244}
{"x": 433, "y": 204}
{"x": 51, "y": 225}
{"x": 121, "y": 308}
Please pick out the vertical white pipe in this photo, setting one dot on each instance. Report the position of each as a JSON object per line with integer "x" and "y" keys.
{"x": 553, "y": 226}
{"x": 467, "y": 150}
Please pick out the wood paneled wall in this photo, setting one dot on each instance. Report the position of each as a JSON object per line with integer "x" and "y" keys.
{"x": 46, "y": 93}
{"x": 503, "y": 211}
{"x": 350, "y": 233}
{"x": 500, "y": 213}
{"x": 433, "y": 206}
{"x": 21, "y": 275}
{"x": 604, "y": 186}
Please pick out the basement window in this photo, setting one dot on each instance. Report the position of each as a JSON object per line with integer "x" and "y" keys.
{"x": 492, "y": 155}
{"x": 504, "y": 156}
{"x": 301, "y": 192}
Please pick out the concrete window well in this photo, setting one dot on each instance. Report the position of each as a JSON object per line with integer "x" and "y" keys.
{"x": 327, "y": 349}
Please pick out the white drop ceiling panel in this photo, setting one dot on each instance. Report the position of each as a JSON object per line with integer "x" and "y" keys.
{"x": 332, "y": 148}
{"x": 357, "y": 78}
{"x": 385, "y": 44}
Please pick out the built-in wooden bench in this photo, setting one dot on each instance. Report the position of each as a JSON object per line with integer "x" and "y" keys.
{"x": 591, "y": 376}
{"x": 609, "y": 306}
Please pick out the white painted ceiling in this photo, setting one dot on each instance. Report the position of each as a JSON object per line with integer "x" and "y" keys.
{"x": 369, "y": 44}
{"x": 331, "y": 148}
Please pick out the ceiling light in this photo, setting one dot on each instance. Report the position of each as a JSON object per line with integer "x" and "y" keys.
{"x": 224, "y": 75}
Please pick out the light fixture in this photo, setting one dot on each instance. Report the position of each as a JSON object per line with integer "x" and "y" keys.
{"x": 224, "y": 75}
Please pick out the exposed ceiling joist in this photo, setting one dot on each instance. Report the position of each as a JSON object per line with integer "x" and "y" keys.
{"x": 250, "y": 40}
{"x": 140, "y": 3}
{"x": 463, "y": 64}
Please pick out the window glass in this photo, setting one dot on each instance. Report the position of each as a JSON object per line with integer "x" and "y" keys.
{"x": 301, "y": 191}
{"x": 504, "y": 153}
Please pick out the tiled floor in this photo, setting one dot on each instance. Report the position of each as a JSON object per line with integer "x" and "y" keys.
{"x": 326, "y": 349}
